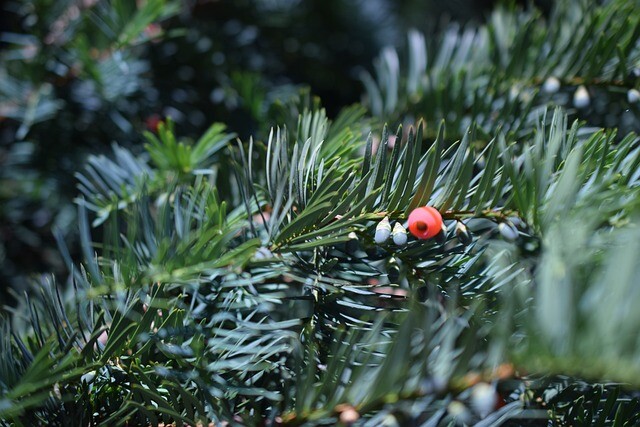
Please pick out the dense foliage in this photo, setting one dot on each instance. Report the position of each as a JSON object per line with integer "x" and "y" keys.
{"x": 77, "y": 76}
{"x": 236, "y": 277}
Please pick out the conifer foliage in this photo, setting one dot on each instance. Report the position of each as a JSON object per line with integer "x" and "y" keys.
{"x": 459, "y": 249}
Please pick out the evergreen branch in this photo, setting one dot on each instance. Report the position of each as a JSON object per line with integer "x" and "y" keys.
{"x": 495, "y": 75}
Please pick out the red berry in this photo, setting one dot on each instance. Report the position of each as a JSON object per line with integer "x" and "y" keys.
{"x": 152, "y": 122}
{"x": 425, "y": 222}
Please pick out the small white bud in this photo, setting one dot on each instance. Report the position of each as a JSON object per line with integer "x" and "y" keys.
{"x": 509, "y": 232}
{"x": 263, "y": 253}
{"x": 399, "y": 234}
{"x": 459, "y": 412}
{"x": 463, "y": 234}
{"x": 633, "y": 96}
{"x": 581, "y": 97}
{"x": 551, "y": 85}
{"x": 483, "y": 399}
{"x": 383, "y": 231}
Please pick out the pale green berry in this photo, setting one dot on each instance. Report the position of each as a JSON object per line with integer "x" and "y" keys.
{"x": 383, "y": 231}
{"x": 399, "y": 234}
